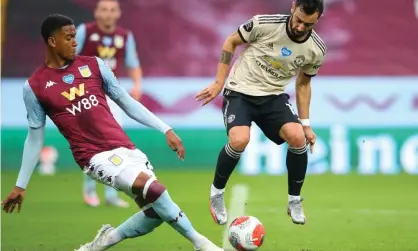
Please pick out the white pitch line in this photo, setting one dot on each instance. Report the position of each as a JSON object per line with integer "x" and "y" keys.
{"x": 236, "y": 208}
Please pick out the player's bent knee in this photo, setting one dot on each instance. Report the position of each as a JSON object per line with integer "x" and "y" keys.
{"x": 149, "y": 188}
{"x": 139, "y": 183}
{"x": 239, "y": 143}
{"x": 142, "y": 184}
{"x": 293, "y": 134}
{"x": 296, "y": 140}
{"x": 239, "y": 137}
{"x": 141, "y": 202}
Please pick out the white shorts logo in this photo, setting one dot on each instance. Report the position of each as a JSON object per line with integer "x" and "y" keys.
{"x": 119, "y": 168}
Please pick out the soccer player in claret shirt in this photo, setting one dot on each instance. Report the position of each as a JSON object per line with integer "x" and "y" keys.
{"x": 115, "y": 45}
{"x": 71, "y": 91}
{"x": 280, "y": 47}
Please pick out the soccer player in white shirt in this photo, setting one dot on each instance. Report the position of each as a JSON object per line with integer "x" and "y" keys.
{"x": 279, "y": 48}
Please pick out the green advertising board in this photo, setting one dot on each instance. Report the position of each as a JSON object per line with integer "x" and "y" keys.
{"x": 339, "y": 150}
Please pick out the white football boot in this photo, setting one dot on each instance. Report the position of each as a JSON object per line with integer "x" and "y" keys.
{"x": 295, "y": 211}
{"x": 218, "y": 209}
{"x": 208, "y": 246}
{"x": 99, "y": 242}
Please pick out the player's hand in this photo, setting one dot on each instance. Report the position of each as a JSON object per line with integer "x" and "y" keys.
{"x": 136, "y": 93}
{"x": 310, "y": 137}
{"x": 174, "y": 142}
{"x": 15, "y": 198}
{"x": 209, "y": 93}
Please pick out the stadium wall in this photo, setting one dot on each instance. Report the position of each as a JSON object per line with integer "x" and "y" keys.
{"x": 366, "y": 125}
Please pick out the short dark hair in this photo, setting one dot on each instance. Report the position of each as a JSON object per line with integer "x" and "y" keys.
{"x": 53, "y": 23}
{"x": 309, "y": 7}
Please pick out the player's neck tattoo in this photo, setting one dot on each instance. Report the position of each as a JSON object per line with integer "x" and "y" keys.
{"x": 226, "y": 57}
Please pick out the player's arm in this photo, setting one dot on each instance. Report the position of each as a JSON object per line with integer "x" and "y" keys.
{"x": 303, "y": 88}
{"x": 303, "y": 96}
{"x": 303, "y": 100}
{"x": 35, "y": 139}
{"x": 228, "y": 49}
{"x": 246, "y": 33}
{"x": 80, "y": 37}
{"x": 133, "y": 65}
{"x": 130, "y": 106}
{"x": 31, "y": 150}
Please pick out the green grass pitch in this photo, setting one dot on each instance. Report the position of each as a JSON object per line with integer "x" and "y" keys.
{"x": 347, "y": 213}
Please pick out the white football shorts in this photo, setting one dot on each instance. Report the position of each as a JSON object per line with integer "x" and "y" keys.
{"x": 119, "y": 168}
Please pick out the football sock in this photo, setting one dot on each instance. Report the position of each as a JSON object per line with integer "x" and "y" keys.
{"x": 227, "y": 160}
{"x": 297, "y": 163}
{"x": 89, "y": 184}
{"x": 110, "y": 193}
{"x": 155, "y": 193}
{"x": 292, "y": 197}
{"x": 139, "y": 224}
{"x": 214, "y": 191}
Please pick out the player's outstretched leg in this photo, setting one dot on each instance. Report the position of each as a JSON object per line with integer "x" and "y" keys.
{"x": 163, "y": 209}
{"x": 140, "y": 183}
{"x": 112, "y": 198}
{"x": 89, "y": 192}
{"x": 156, "y": 194}
{"x": 228, "y": 158}
{"x": 297, "y": 163}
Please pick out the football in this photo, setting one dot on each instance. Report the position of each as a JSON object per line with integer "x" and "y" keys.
{"x": 246, "y": 233}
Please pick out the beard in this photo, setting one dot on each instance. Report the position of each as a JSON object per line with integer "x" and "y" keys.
{"x": 297, "y": 33}
{"x": 294, "y": 32}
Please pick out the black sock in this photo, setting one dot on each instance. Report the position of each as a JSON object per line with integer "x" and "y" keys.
{"x": 227, "y": 160}
{"x": 297, "y": 163}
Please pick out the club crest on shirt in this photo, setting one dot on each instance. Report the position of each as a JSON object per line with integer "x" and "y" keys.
{"x": 299, "y": 61}
{"x": 84, "y": 71}
{"x": 118, "y": 41}
{"x": 115, "y": 160}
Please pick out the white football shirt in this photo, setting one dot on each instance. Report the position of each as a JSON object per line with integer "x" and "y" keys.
{"x": 272, "y": 58}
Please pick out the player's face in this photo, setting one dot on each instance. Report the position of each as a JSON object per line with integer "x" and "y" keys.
{"x": 301, "y": 23}
{"x": 107, "y": 12}
{"x": 65, "y": 43}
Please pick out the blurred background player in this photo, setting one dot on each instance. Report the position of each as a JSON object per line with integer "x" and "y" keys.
{"x": 114, "y": 44}
{"x": 47, "y": 161}
{"x": 279, "y": 48}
